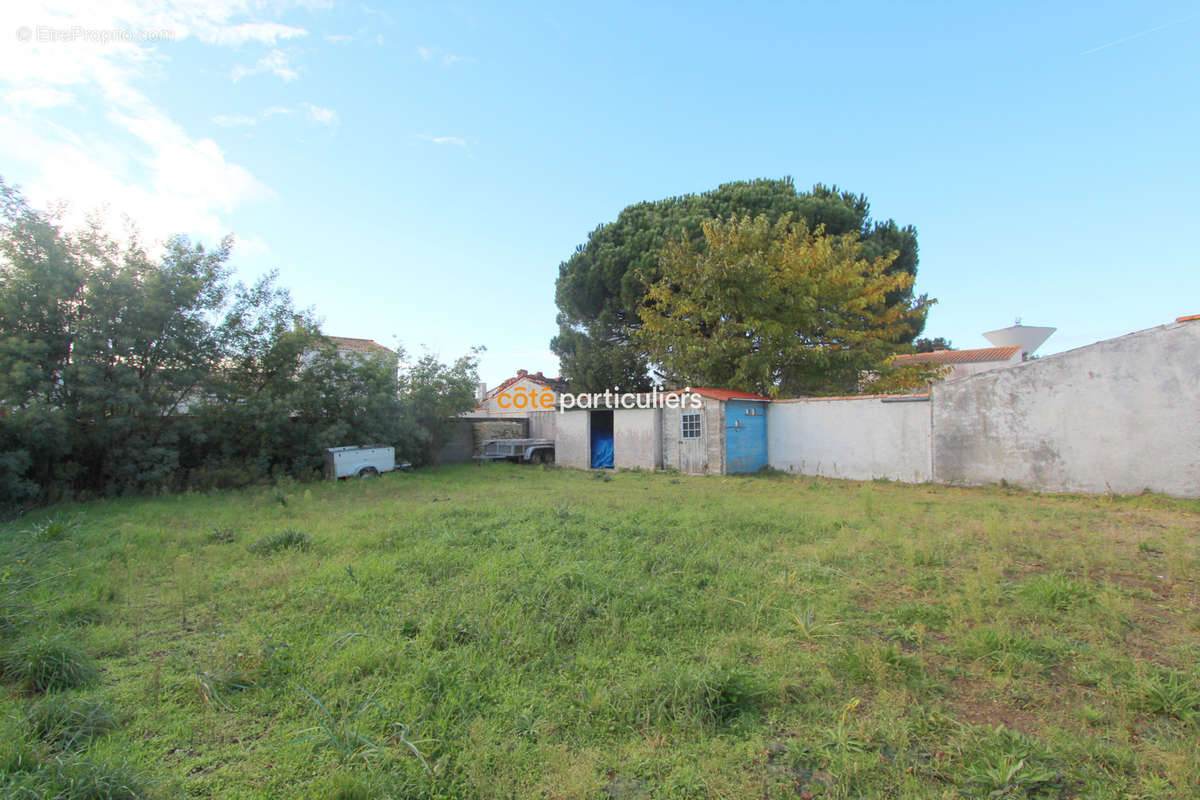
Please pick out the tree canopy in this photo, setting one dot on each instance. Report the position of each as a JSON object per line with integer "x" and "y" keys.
{"x": 775, "y": 308}
{"x": 603, "y": 285}
{"x": 122, "y": 370}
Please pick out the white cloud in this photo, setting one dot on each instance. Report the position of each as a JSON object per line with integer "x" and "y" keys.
{"x": 339, "y": 38}
{"x": 321, "y": 116}
{"x": 457, "y": 141}
{"x": 234, "y": 120}
{"x": 129, "y": 156}
{"x": 379, "y": 12}
{"x": 315, "y": 114}
{"x": 437, "y": 54}
{"x": 276, "y": 62}
{"x": 268, "y": 33}
{"x": 35, "y": 98}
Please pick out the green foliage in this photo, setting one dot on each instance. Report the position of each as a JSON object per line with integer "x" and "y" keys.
{"x": 434, "y": 395}
{"x": 53, "y": 529}
{"x": 72, "y": 779}
{"x": 923, "y": 345}
{"x": 1172, "y": 693}
{"x": 240, "y": 672}
{"x": 1056, "y": 593}
{"x": 602, "y": 286}
{"x": 68, "y": 723}
{"x": 284, "y": 540}
{"x": 363, "y": 732}
{"x": 774, "y": 308}
{"x": 222, "y": 535}
{"x": 1009, "y": 764}
{"x": 1008, "y": 650}
{"x": 123, "y": 370}
{"x": 46, "y": 664}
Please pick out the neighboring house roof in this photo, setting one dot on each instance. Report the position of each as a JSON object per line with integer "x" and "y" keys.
{"x": 556, "y": 384}
{"x": 960, "y": 356}
{"x": 359, "y": 345}
{"x": 727, "y": 394}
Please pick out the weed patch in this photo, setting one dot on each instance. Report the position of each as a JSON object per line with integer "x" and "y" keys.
{"x": 46, "y": 664}
{"x": 284, "y": 540}
{"x": 68, "y": 723}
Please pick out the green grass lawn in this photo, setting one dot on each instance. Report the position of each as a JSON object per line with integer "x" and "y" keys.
{"x": 513, "y": 631}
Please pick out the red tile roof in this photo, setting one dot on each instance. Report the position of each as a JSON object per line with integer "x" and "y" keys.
{"x": 359, "y": 345}
{"x": 960, "y": 356}
{"x": 1188, "y": 318}
{"x": 726, "y": 394}
{"x": 557, "y": 384}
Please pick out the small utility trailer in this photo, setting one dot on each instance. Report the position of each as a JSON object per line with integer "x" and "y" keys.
{"x": 531, "y": 451}
{"x": 361, "y": 461}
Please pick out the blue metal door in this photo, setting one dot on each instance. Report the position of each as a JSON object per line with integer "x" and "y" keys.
{"x": 745, "y": 435}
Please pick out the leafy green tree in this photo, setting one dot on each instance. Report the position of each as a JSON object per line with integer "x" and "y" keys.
{"x": 124, "y": 371}
{"x": 603, "y": 285}
{"x": 435, "y": 394}
{"x": 924, "y": 345}
{"x": 777, "y": 308}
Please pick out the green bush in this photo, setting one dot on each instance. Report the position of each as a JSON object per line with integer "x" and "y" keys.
{"x": 75, "y": 779}
{"x": 53, "y": 529}
{"x": 1171, "y": 693}
{"x": 68, "y": 723}
{"x": 284, "y": 540}
{"x": 47, "y": 664}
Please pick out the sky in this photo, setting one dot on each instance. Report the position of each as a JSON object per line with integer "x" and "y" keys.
{"x": 417, "y": 172}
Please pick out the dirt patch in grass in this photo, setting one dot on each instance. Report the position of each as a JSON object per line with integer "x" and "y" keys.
{"x": 977, "y": 711}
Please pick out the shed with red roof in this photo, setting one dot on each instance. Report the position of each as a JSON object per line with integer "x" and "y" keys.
{"x": 696, "y": 430}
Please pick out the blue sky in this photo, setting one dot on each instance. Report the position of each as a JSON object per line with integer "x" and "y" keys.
{"x": 417, "y": 172}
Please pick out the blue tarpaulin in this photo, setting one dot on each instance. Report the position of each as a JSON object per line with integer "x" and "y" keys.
{"x": 602, "y": 440}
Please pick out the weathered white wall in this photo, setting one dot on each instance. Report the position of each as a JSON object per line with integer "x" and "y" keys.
{"x": 970, "y": 368}
{"x": 542, "y": 424}
{"x": 572, "y": 439}
{"x": 637, "y": 438}
{"x": 859, "y": 438}
{"x": 1121, "y": 415}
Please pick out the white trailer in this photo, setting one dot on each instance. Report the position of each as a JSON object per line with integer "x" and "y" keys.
{"x": 361, "y": 461}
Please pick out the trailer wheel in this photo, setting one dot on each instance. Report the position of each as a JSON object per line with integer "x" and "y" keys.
{"x": 368, "y": 472}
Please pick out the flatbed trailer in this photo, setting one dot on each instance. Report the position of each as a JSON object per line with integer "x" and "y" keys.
{"x": 530, "y": 451}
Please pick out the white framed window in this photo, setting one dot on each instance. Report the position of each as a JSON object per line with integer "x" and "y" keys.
{"x": 691, "y": 426}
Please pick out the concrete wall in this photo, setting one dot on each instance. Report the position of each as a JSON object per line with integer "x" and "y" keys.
{"x": 859, "y": 438}
{"x": 970, "y": 368}
{"x": 572, "y": 439}
{"x": 1121, "y": 415}
{"x": 506, "y": 428}
{"x": 637, "y": 438}
{"x": 542, "y": 424}
{"x": 465, "y": 442}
